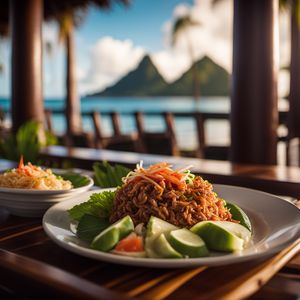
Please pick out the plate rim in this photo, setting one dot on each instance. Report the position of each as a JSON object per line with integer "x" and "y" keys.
{"x": 165, "y": 262}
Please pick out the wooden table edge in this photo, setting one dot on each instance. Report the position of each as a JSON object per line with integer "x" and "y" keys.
{"x": 54, "y": 277}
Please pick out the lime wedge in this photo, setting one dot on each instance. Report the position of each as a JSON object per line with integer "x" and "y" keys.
{"x": 155, "y": 227}
{"x": 108, "y": 239}
{"x": 239, "y": 215}
{"x": 163, "y": 248}
{"x": 222, "y": 235}
{"x": 187, "y": 243}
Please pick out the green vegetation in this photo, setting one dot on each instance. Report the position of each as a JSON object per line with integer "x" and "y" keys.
{"x": 76, "y": 179}
{"x": 107, "y": 176}
{"x": 99, "y": 204}
{"x": 90, "y": 226}
{"x": 28, "y": 142}
{"x": 145, "y": 80}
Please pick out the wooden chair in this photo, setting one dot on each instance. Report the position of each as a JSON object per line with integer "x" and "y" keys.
{"x": 48, "y": 120}
{"x": 157, "y": 142}
{"x": 208, "y": 151}
{"x": 80, "y": 139}
{"x": 119, "y": 141}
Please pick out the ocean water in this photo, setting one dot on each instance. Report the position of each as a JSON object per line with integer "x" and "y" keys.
{"x": 217, "y": 131}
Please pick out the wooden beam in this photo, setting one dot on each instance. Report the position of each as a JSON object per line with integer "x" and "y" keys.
{"x": 26, "y": 24}
{"x": 254, "y": 115}
{"x": 73, "y": 116}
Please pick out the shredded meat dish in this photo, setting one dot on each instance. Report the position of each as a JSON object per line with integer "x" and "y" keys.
{"x": 183, "y": 204}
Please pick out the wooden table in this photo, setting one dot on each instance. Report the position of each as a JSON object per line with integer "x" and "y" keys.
{"x": 32, "y": 267}
{"x": 281, "y": 180}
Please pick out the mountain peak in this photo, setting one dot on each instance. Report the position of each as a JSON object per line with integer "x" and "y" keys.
{"x": 145, "y": 80}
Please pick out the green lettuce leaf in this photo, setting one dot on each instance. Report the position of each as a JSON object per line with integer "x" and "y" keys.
{"x": 99, "y": 205}
{"x": 90, "y": 226}
{"x": 106, "y": 175}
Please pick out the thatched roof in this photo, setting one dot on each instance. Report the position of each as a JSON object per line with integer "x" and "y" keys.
{"x": 53, "y": 9}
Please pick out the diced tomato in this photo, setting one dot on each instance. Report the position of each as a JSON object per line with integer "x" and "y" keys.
{"x": 132, "y": 243}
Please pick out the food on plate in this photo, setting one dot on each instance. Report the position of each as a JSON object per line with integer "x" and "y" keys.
{"x": 33, "y": 177}
{"x": 159, "y": 212}
{"x": 176, "y": 196}
{"x": 163, "y": 249}
{"x": 109, "y": 238}
{"x": 89, "y": 226}
{"x": 187, "y": 243}
{"x": 155, "y": 228}
{"x": 223, "y": 235}
{"x": 238, "y": 214}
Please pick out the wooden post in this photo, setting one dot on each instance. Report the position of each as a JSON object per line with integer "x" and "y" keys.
{"x": 73, "y": 113}
{"x": 139, "y": 120}
{"x": 294, "y": 97}
{"x": 254, "y": 116}
{"x": 201, "y": 135}
{"x": 170, "y": 130}
{"x": 115, "y": 118}
{"x": 98, "y": 131}
{"x": 26, "y": 24}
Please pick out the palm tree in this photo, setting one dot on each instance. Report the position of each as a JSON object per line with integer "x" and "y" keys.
{"x": 67, "y": 22}
{"x": 26, "y": 20}
{"x": 181, "y": 27}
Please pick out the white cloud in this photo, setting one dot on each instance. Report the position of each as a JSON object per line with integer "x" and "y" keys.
{"x": 213, "y": 37}
{"x": 110, "y": 59}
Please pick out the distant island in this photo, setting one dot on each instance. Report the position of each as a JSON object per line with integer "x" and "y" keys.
{"x": 145, "y": 80}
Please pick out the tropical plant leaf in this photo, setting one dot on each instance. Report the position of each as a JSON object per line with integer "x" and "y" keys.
{"x": 106, "y": 175}
{"x": 28, "y": 141}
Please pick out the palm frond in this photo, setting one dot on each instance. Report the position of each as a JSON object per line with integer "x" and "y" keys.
{"x": 181, "y": 24}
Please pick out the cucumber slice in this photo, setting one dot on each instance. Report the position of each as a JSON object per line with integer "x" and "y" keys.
{"x": 222, "y": 235}
{"x": 108, "y": 239}
{"x": 187, "y": 243}
{"x": 163, "y": 248}
{"x": 239, "y": 215}
{"x": 155, "y": 227}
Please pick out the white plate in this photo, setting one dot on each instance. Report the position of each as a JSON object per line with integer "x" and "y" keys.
{"x": 276, "y": 223}
{"x": 34, "y": 203}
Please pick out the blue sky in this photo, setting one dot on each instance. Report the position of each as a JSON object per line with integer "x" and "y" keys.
{"x": 140, "y": 22}
{"x": 109, "y": 44}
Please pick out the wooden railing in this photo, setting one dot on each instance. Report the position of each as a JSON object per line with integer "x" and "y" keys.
{"x": 146, "y": 142}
